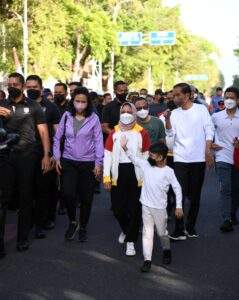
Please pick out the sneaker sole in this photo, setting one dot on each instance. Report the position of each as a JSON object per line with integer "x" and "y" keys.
{"x": 180, "y": 238}
{"x": 191, "y": 235}
{"x": 130, "y": 254}
{"x": 74, "y": 235}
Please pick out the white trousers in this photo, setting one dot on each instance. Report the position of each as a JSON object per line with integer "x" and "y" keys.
{"x": 151, "y": 217}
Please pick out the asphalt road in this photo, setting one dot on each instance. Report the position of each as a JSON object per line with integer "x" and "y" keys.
{"x": 203, "y": 268}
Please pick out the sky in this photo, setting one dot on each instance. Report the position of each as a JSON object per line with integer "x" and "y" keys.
{"x": 218, "y": 21}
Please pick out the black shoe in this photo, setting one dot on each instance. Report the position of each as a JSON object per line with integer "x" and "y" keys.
{"x": 82, "y": 236}
{"x": 234, "y": 219}
{"x": 167, "y": 257}
{"x": 40, "y": 234}
{"x": 226, "y": 226}
{"x": 22, "y": 246}
{"x": 71, "y": 231}
{"x": 62, "y": 211}
{"x": 146, "y": 266}
{"x": 2, "y": 250}
{"x": 50, "y": 225}
{"x": 178, "y": 236}
{"x": 191, "y": 233}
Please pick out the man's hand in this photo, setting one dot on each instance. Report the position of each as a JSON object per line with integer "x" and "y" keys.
{"x": 167, "y": 114}
{"x": 52, "y": 163}
{"x": 58, "y": 167}
{"x": 4, "y": 112}
{"x": 179, "y": 213}
{"x": 107, "y": 186}
{"x": 216, "y": 147}
{"x": 124, "y": 142}
{"x": 209, "y": 160}
{"x": 98, "y": 172}
{"x": 236, "y": 142}
{"x": 45, "y": 164}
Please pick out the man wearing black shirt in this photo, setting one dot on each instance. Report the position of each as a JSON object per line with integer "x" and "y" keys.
{"x": 158, "y": 106}
{"x": 45, "y": 184}
{"x": 22, "y": 116}
{"x": 111, "y": 112}
{"x": 60, "y": 94}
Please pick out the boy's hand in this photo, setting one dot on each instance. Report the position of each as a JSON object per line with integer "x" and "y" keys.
{"x": 124, "y": 142}
{"x": 179, "y": 213}
{"x": 107, "y": 186}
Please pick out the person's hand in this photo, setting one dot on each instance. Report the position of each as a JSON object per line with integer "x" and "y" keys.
{"x": 179, "y": 213}
{"x": 209, "y": 160}
{"x": 216, "y": 147}
{"x": 58, "y": 167}
{"x": 123, "y": 142}
{"x": 236, "y": 142}
{"x": 107, "y": 186}
{"x": 167, "y": 114}
{"x": 4, "y": 112}
{"x": 98, "y": 172}
{"x": 52, "y": 163}
{"x": 45, "y": 164}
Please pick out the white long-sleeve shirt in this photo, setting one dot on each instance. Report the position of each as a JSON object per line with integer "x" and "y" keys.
{"x": 156, "y": 182}
{"x": 191, "y": 129}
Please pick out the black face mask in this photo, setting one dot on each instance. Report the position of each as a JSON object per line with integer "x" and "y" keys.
{"x": 14, "y": 92}
{"x": 33, "y": 94}
{"x": 59, "y": 98}
{"x": 152, "y": 162}
{"x": 122, "y": 97}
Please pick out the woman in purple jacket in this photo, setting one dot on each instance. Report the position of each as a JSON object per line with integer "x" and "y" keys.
{"x": 79, "y": 151}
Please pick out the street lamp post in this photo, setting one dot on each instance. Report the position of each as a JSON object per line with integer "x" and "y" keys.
{"x": 115, "y": 16}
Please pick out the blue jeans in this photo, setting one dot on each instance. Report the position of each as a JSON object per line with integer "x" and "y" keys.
{"x": 229, "y": 188}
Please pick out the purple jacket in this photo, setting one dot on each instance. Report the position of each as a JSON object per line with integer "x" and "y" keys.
{"x": 87, "y": 145}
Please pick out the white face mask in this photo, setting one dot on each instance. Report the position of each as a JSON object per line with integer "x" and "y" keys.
{"x": 126, "y": 118}
{"x": 143, "y": 113}
{"x": 230, "y": 103}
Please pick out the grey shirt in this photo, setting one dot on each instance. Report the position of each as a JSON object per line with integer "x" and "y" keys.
{"x": 77, "y": 124}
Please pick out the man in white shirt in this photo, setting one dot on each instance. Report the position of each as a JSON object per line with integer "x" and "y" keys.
{"x": 226, "y": 124}
{"x": 191, "y": 126}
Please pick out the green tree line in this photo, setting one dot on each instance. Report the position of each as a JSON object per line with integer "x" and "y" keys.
{"x": 64, "y": 35}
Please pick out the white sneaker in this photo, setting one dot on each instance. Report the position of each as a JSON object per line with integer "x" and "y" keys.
{"x": 130, "y": 250}
{"x": 121, "y": 238}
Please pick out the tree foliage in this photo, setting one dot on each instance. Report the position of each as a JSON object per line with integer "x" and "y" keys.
{"x": 65, "y": 34}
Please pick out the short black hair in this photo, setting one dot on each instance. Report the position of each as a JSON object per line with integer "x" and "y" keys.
{"x": 144, "y": 89}
{"x": 159, "y": 148}
{"x": 79, "y": 91}
{"x": 3, "y": 93}
{"x": 62, "y": 84}
{"x": 36, "y": 78}
{"x": 77, "y": 83}
{"x": 219, "y": 89}
{"x": 232, "y": 89}
{"x": 17, "y": 75}
{"x": 137, "y": 99}
{"x": 93, "y": 95}
{"x": 117, "y": 83}
{"x": 186, "y": 89}
{"x": 106, "y": 95}
{"x": 158, "y": 92}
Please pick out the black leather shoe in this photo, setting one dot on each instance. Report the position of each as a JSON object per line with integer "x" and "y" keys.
{"x": 50, "y": 225}
{"x": 146, "y": 266}
{"x": 22, "y": 246}
{"x": 40, "y": 234}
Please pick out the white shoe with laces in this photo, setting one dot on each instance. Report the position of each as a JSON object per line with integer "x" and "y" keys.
{"x": 121, "y": 238}
{"x": 130, "y": 250}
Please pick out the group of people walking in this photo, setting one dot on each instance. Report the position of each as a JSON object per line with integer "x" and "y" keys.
{"x": 152, "y": 156}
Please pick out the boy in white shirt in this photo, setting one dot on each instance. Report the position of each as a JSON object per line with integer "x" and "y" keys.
{"x": 157, "y": 177}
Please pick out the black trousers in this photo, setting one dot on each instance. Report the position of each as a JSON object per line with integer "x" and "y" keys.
{"x": 18, "y": 168}
{"x": 45, "y": 194}
{"x": 171, "y": 194}
{"x": 191, "y": 178}
{"x": 125, "y": 202}
{"x": 78, "y": 179}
